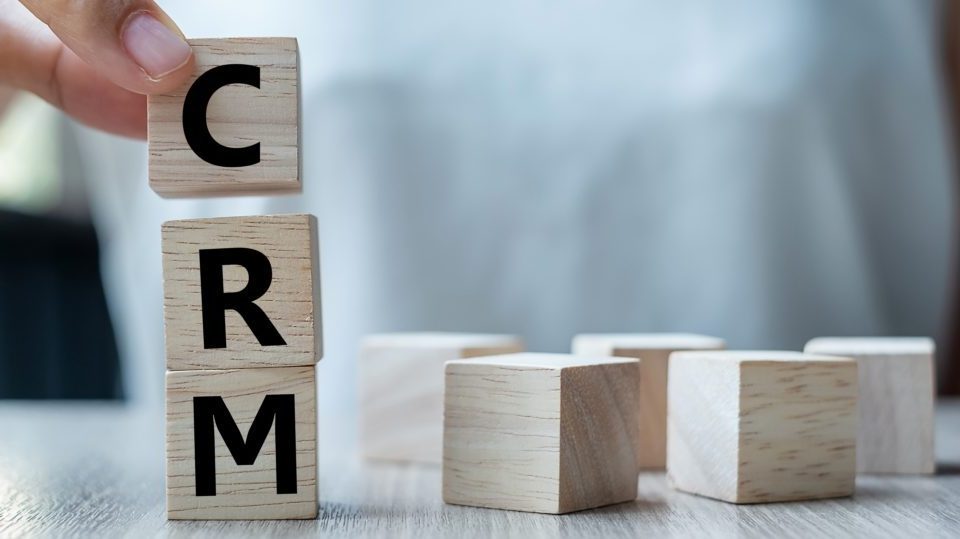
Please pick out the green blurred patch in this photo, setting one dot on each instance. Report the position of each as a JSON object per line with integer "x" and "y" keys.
{"x": 30, "y": 177}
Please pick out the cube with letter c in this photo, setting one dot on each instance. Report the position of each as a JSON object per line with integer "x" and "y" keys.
{"x": 233, "y": 127}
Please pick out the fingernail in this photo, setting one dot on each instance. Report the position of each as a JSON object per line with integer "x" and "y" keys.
{"x": 154, "y": 47}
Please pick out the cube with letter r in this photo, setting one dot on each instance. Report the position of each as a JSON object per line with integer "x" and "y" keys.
{"x": 241, "y": 292}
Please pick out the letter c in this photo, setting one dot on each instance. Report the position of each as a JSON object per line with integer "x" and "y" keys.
{"x": 195, "y": 127}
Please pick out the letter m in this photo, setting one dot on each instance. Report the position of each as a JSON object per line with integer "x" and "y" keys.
{"x": 276, "y": 410}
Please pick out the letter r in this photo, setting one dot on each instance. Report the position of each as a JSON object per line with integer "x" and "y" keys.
{"x": 214, "y": 301}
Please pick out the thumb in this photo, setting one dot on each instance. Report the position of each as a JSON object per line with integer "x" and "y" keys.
{"x": 131, "y": 42}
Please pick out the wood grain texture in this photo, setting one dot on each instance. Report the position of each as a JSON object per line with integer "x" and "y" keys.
{"x": 653, "y": 350}
{"x": 544, "y": 433}
{"x": 751, "y": 427}
{"x": 242, "y": 492}
{"x": 85, "y": 469}
{"x": 292, "y": 302}
{"x": 237, "y": 116}
{"x": 401, "y": 389}
{"x": 896, "y": 401}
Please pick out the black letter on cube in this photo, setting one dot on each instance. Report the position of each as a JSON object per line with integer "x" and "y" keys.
{"x": 195, "y": 128}
{"x": 275, "y": 409}
{"x": 214, "y": 301}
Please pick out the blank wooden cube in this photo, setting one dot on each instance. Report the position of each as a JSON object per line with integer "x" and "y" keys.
{"x": 896, "y": 401}
{"x": 241, "y": 139}
{"x": 268, "y": 265}
{"x": 401, "y": 389}
{"x": 653, "y": 350}
{"x": 546, "y": 433}
{"x": 750, "y": 427}
{"x": 216, "y": 421}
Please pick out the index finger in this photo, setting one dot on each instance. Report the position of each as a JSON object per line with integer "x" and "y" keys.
{"x": 133, "y": 43}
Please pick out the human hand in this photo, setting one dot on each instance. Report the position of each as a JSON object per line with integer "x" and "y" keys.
{"x": 95, "y": 59}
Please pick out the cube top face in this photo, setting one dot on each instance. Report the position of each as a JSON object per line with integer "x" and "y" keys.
{"x": 535, "y": 361}
{"x": 762, "y": 426}
{"x": 241, "y": 292}
{"x": 632, "y": 344}
{"x": 532, "y": 435}
{"x": 461, "y": 344}
{"x": 266, "y": 469}
{"x": 233, "y": 127}
{"x": 872, "y": 346}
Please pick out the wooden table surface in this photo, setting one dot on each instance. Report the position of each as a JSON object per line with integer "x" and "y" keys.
{"x": 97, "y": 470}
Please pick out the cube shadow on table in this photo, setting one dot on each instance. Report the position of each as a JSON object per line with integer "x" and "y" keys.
{"x": 546, "y": 433}
{"x": 758, "y": 426}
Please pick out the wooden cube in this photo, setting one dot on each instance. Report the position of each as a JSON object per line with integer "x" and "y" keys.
{"x": 241, "y": 292}
{"x": 896, "y": 401}
{"x": 750, "y": 427}
{"x": 546, "y": 433}
{"x": 401, "y": 389}
{"x": 653, "y": 350}
{"x": 233, "y": 127}
{"x": 242, "y": 444}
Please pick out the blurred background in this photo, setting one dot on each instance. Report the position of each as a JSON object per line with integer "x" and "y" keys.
{"x": 56, "y": 335}
{"x": 763, "y": 171}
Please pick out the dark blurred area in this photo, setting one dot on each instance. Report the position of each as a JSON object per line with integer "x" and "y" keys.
{"x": 56, "y": 336}
{"x": 56, "y": 340}
{"x": 949, "y": 353}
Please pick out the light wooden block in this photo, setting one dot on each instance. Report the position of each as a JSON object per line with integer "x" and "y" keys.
{"x": 546, "y": 433}
{"x": 751, "y": 427}
{"x": 896, "y": 433}
{"x": 238, "y": 116}
{"x": 653, "y": 350}
{"x": 246, "y": 491}
{"x": 291, "y": 303}
{"x": 401, "y": 389}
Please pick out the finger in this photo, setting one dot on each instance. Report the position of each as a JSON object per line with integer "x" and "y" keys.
{"x": 33, "y": 59}
{"x": 96, "y": 101}
{"x": 131, "y": 42}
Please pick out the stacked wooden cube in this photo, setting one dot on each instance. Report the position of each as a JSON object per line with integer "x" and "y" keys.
{"x": 241, "y": 294}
